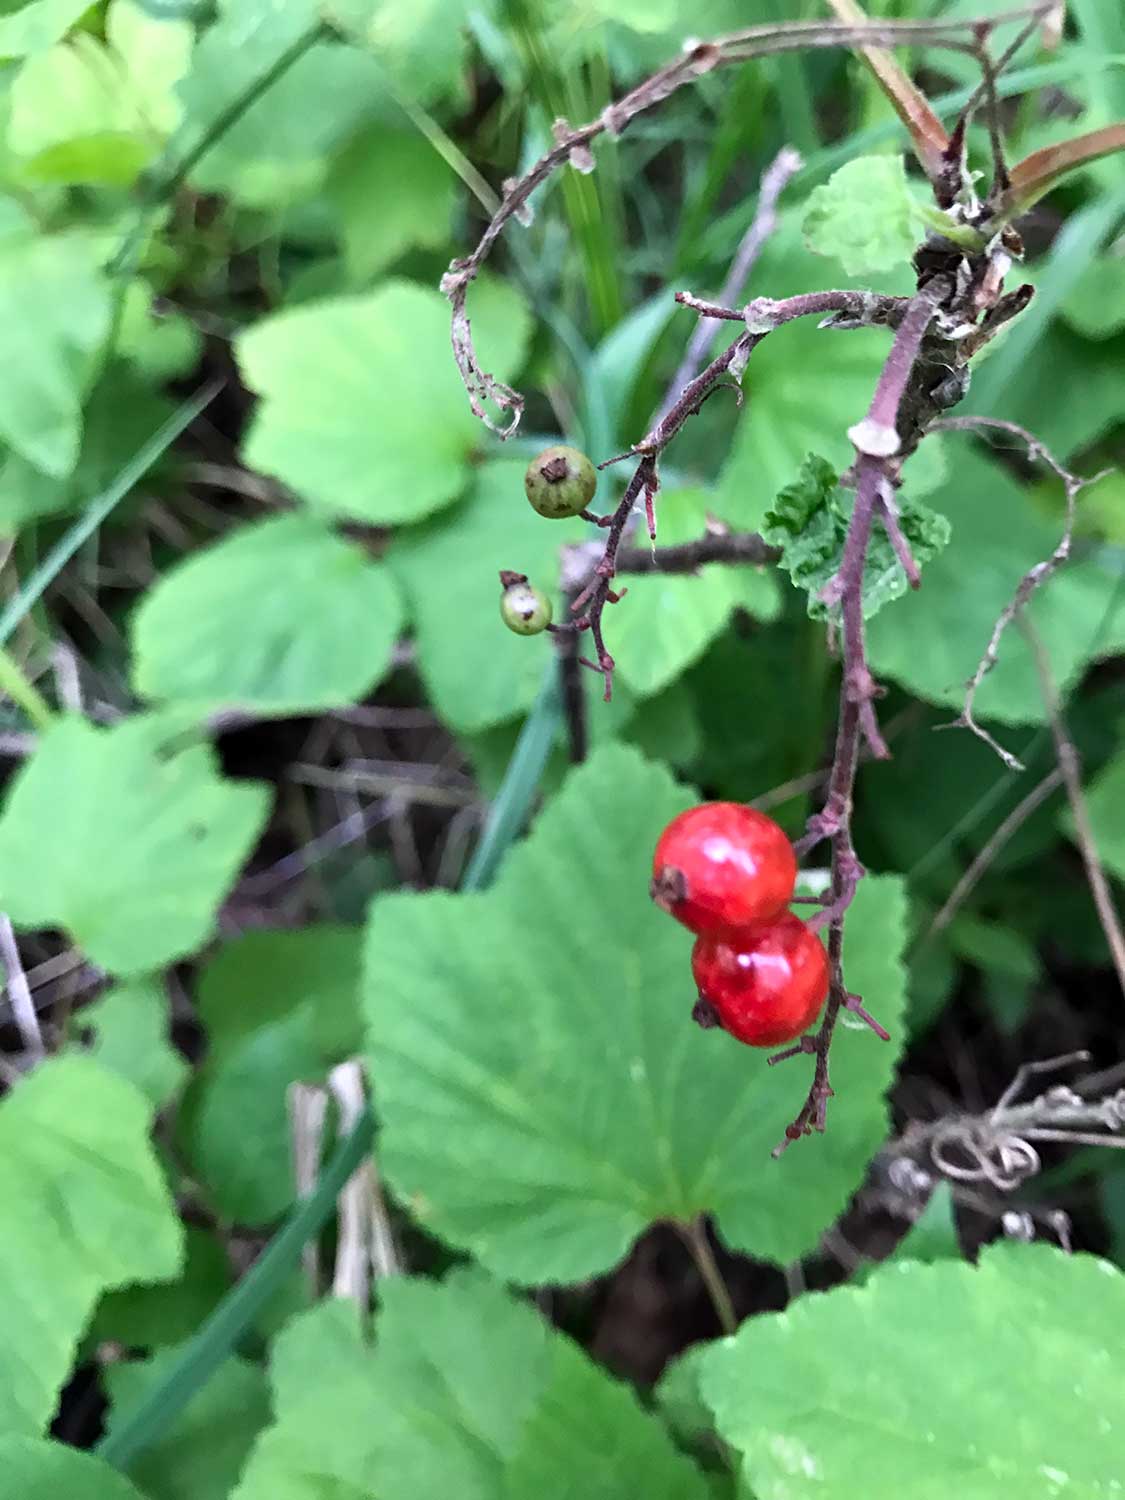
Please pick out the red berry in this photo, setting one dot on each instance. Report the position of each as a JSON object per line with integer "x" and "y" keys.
{"x": 766, "y": 984}
{"x": 721, "y": 866}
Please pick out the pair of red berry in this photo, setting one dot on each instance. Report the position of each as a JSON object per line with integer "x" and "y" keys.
{"x": 727, "y": 873}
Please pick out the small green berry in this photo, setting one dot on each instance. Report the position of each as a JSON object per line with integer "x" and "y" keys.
{"x": 560, "y": 482}
{"x": 524, "y": 609}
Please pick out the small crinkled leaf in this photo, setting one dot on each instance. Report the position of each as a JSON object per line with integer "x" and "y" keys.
{"x": 863, "y": 216}
{"x": 280, "y": 617}
{"x": 932, "y": 642}
{"x": 667, "y": 622}
{"x": 545, "y": 1148}
{"x": 809, "y": 521}
{"x": 36, "y": 1469}
{"x": 54, "y": 308}
{"x": 391, "y": 192}
{"x": 978, "y": 1381}
{"x": 477, "y": 673}
{"x": 362, "y": 411}
{"x": 200, "y": 1456}
{"x": 129, "y": 1036}
{"x": 124, "y": 840}
{"x": 466, "y": 1392}
{"x": 277, "y": 150}
{"x": 278, "y": 1007}
{"x": 86, "y": 1210}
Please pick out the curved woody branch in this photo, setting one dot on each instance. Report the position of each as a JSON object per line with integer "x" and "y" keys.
{"x": 958, "y": 305}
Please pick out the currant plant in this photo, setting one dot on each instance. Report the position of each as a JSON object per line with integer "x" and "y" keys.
{"x": 355, "y": 1134}
{"x": 854, "y": 540}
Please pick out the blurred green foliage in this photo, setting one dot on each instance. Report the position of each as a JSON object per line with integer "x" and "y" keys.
{"x": 265, "y": 193}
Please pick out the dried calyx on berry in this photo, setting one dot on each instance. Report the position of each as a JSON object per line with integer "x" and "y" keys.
{"x": 560, "y": 482}
{"x": 524, "y": 609}
{"x": 764, "y": 985}
{"x": 721, "y": 866}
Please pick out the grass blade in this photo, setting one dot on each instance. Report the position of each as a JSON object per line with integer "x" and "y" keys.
{"x": 95, "y": 513}
{"x": 508, "y": 812}
{"x": 224, "y": 1328}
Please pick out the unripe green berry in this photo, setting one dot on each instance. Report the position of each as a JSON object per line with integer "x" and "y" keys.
{"x": 524, "y": 609}
{"x": 560, "y": 482}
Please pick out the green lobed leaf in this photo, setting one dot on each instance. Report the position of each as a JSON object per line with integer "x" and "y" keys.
{"x": 975, "y": 1381}
{"x": 863, "y": 216}
{"x": 362, "y": 411}
{"x": 279, "y": 617}
{"x": 161, "y": 345}
{"x": 1068, "y": 428}
{"x": 154, "y": 1317}
{"x": 124, "y": 840}
{"x": 809, "y": 521}
{"x": 391, "y": 192}
{"x": 90, "y": 113}
{"x": 544, "y": 1095}
{"x": 54, "y": 307}
{"x": 667, "y": 622}
{"x": 278, "y": 1006}
{"x": 129, "y": 1036}
{"x": 935, "y": 638}
{"x": 588, "y": 1436}
{"x": 477, "y": 673}
{"x": 120, "y": 415}
{"x": 86, "y": 1210}
{"x": 467, "y": 1392}
{"x": 201, "y": 1456}
{"x": 34, "y": 1469}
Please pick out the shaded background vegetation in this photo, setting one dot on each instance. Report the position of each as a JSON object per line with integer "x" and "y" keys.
{"x": 308, "y": 569}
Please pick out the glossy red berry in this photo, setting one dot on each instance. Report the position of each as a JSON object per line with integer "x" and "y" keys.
{"x": 766, "y": 985}
{"x": 721, "y": 866}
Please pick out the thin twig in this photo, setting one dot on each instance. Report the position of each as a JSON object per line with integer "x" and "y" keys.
{"x": 19, "y": 992}
{"x": 733, "y": 547}
{"x": 1033, "y": 579}
{"x": 761, "y": 317}
{"x": 572, "y": 146}
{"x": 998, "y": 1147}
{"x": 352, "y": 1275}
{"x": 877, "y": 441}
{"x": 307, "y": 1107}
{"x": 1071, "y": 769}
{"x": 1007, "y": 830}
{"x": 573, "y": 690}
{"x": 695, "y": 1237}
{"x": 777, "y": 174}
{"x": 845, "y": 309}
